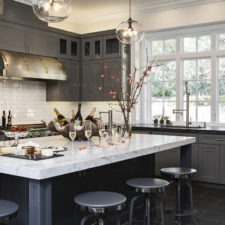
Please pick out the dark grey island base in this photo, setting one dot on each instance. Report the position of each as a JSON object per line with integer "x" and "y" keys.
{"x": 50, "y": 201}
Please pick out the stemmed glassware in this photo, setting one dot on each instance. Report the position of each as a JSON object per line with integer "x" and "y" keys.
{"x": 114, "y": 130}
{"x": 88, "y": 131}
{"x": 101, "y": 127}
{"x": 72, "y": 133}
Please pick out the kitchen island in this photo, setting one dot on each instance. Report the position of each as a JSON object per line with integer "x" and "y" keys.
{"x": 45, "y": 189}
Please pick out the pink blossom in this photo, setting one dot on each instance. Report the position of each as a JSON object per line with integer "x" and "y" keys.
{"x": 113, "y": 77}
{"x": 118, "y": 79}
{"x": 114, "y": 92}
{"x": 124, "y": 68}
{"x": 149, "y": 68}
{"x": 105, "y": 67}
{"x": 99, "y": 88}
{"x": 110, "y": 93}
{"x": 102, "y": 76}
{"x": 127, "y": 94}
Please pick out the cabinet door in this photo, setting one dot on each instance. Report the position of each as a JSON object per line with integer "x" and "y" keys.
{"x": 97, "y": 47}
{"x": 42, "y": 43}
{"x": 111, "y": 47}
{"x": 63, "y": 47}
{"x": 74, "y": 48}
{"x": 12, "y": 38}
{"x": 195, "y": 156}
{"x": 86, "y": 49}
{"x": 98, "y": 81}
{"x": 208, "y": 162}
{"x": 114, "y": 68}
{"x": 222, "y": 165}
{"x": 87, "y": 81}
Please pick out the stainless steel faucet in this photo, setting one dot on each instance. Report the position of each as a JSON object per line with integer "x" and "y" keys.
{"x": 110, "y": 119}
{"x": 187, "y": 110}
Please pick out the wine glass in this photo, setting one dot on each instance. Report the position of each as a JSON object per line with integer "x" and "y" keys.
{"x": 114, "y": 130}
{"x": 72, "y": 133}
{"x": 101, "y": 127}
{"x": 88, "y": 131}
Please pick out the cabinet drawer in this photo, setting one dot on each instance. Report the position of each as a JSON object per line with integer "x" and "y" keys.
{"x": 211, "y": 139}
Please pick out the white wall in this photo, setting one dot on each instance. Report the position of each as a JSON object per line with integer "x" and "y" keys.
{"x": 204, "y": 13}
{"x": 27, "y": 102}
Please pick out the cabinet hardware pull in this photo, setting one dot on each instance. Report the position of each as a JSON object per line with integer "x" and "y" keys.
{"x": 218, "y": 139}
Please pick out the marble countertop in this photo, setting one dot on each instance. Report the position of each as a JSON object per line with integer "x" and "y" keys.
{"x": 74, "y": 161}
{"x": 208, "y": 130}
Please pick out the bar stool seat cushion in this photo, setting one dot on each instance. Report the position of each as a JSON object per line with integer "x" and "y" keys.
{"x": 147, "y": 183}
{"x": 178, "y": 171}
{"x": 100, "y": 199}
{"x": 7, "y": 208}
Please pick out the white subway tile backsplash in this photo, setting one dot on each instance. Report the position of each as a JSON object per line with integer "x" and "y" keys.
{"x": 27, "y": 102}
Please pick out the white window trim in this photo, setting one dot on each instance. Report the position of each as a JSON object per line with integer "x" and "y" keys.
{"x": 178, "y": 33}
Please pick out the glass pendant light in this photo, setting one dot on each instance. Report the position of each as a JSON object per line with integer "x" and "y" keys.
{"x": 130, "y": 31}
{"x": 52, "y": 11}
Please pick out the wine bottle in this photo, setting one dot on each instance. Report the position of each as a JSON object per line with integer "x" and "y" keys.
{"x": 78, "y": 117}
{"x": 3, "y": 119}
{"x": 73, "y": 116}
{"x": 63, "y": 121}
{"x": 91, "y": 115}
{"x": 9, "y": 124}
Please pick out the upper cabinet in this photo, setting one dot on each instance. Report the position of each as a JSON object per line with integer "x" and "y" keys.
{"x": 92, "y": 48}
{"x": 42, "y": 43}
{"x": 112, "y": 47}
{"x": 12, "y": 38}
{"x": 68, "y": 47}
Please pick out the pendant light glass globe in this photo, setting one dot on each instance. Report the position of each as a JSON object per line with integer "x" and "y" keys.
{"x": 130, "y": 32}
{"x": 52, "y": 11}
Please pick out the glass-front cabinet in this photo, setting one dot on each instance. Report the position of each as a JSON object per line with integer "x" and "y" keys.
{"x": 112, "y": 47}
{"x": 68, "y": 47}
{"x": 92, "y": 48}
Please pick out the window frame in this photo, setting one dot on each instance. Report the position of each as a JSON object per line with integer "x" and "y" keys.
{"x": 213, "y": 31}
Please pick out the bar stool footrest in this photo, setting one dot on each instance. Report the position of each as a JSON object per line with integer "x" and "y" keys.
{"x": 185, "y": 213}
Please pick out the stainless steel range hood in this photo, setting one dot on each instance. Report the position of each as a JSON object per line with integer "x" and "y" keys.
{"x": 19, "y": 66}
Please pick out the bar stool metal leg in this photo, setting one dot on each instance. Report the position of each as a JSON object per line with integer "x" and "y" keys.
{"x": 162, "y": 207}
{"x": 117, "y": 220}
{"x": 100, "y": 221}
{"x": 133, "y": 200}
{"x": 148, "y": 209}
{"x": 84, "y": 219}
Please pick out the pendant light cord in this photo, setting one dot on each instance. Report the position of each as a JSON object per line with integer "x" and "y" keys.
{"x": 130, "y": 10}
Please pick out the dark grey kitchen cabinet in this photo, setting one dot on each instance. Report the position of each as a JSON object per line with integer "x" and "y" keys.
{"x": 87, "y": 82}
{"x": 68, "y": 47}
{"x": 111, "y": 47}
{"x": 114, "y": 69}
{"x": 222, "y": 164}
{"x": 69, "y": 90}
{"x": 42, "y": 43}
{"x": 12, "y": 38}
{"x": 208, "y": 162}
{"x": 92, "y": 48}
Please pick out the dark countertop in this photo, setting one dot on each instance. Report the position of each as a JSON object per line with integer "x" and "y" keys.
{"x": 220, "y": 130}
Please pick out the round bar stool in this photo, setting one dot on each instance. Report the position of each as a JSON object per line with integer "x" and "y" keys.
{"x": 181, "y": 176}
{"x": 8, "y": 210}
{"x": 147, "y": 187}
{"x": 99, "y": 204}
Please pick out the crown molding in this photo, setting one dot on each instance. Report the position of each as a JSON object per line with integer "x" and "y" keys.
{"x": 151, "y": 7}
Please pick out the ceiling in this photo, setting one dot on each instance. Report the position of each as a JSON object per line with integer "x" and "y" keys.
{"x": 84, "y": 11}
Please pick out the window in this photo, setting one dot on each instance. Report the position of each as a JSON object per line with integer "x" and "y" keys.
{"x": 164, "y": 89}
{"x": 197, "y": 44}
{"x": 193, "y": 55}
{"x": 198, "y": 74}
{"x": 161, "y": 47}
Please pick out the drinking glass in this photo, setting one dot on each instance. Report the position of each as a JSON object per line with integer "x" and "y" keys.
{"x": 88, "y": 131}
{"x": 114, "y": 130}
{"x": 72, "y": 133}
{"x": 101, "y": 127}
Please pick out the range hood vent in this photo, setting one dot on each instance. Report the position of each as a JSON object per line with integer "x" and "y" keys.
{"x": 19, "y": 66}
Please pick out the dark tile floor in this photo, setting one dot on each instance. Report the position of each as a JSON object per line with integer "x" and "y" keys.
{"x": 210, "y": 203}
